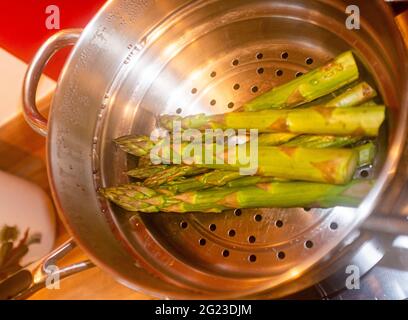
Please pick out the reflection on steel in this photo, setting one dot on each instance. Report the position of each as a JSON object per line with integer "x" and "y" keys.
{"x": 138, "y": 59}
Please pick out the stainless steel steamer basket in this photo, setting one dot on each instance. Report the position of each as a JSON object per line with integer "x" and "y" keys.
{"x": 137, "y": 59}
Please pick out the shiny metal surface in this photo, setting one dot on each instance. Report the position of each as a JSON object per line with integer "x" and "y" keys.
{"x": 387, "y": 279}
{"x": 373, "y": 267}
{"x": 137, "y": 59}
{"x": 58, "y": 41}
{"x": 34, "y": 277}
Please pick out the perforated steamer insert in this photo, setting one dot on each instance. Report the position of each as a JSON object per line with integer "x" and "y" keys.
{"x": 137, "y": 59}
{"x": 211, "y": 57}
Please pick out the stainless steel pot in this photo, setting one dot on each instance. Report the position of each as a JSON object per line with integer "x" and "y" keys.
{"x": 140, "y": 58}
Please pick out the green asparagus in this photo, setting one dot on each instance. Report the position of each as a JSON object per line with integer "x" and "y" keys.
{"x": 354, "y": 121}
{"x": 310, "y": 141}
{"x": 204, "y": 181}
{"x": 312, "y": 85}
{"x": 353, "y": 96}
{"x": 172, "y": 173}
{"x": 273, "y": 194}
{"x": 137, "y": 145}
{"x": 146, "y": 172}
{"x": 366, "y": 153}
{"x": 319, "y": 165}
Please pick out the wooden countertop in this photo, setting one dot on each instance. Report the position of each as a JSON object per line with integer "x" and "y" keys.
{"x": 23, "y": 154}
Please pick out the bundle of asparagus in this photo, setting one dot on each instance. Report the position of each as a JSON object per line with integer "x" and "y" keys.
{"x": 308, "y": 150}
{"x": 361, "y": 121}
{"x": 260, "y": 195}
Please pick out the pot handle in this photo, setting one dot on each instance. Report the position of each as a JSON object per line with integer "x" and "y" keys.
{"x": 35, "y": 276}
{"x": 56, "y": 42}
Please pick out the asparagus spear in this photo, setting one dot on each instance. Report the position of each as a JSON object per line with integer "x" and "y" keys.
{"x": 144, "y": 161}
{"x": 230, "y": 179}
{"x": 310, "y": 141}
{"x": 275, "y": 139}
{"x": 360, "y": 94}
{"x": 312, "y": 85}
{"x": 246, "y": 181}
{"x": 366, "y": 153}
{"x": 206, "y": 180}
{"x": 354, "y": 96}
{"x": 234, "y": 179}
{"x": 262, "y": 195}
{"x": 164, "y": 174}
{"x": 171, "y": 173}
{"x": 369, "y": 103}
{"x": 296, "y": 163}
{"x": 137, "y": 145}
{"x": 264, "y": 139}
{"x": 355, "y": 121}
{"x": 146, "y": 172}
{"x": 319, "y": 165}
{"x": 140, "y": 145}
{"x": 128, "y": 196}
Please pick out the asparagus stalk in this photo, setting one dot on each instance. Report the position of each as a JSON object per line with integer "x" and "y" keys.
{"x": 369, "y": 103}
{"x": 262, "y": 195}
{"x": 137, "y": 145}
{"x": 355, "y": 121}
{"x": 294, "y": 163}
{"x": 230, "y": 179}
{"x": 146, "y": 172}
{"x": 360, "y": 94}
{"x": 312, "y": 85}
{"x": 275, "y": 139}
{"x": 144, "y": 161}
{"x": 264, "y": 139}
{"x": 366, "y": 154}
{"x": 310, "y": 141}
{"x": 128, "y": 196}
{"x": 353, "y": 96}
{"x": 157, "y": 175}
{"x": 319, "y": 165}
{"x": 206, "y": 180}
{"x": 140, "y": 146}
{"x": 365, "y": 151}
{"x": 172, "y": 173}
{"x": 234, "y": 179}
{"x": 246, "y": 181}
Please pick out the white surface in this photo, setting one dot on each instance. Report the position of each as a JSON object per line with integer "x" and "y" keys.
{"x": 25, "y": 205}
{"x": 12, "y": 71}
